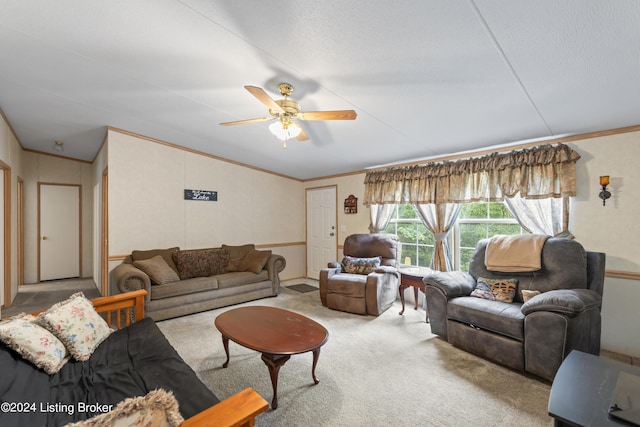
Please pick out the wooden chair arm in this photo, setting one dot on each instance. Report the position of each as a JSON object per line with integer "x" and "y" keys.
{"x": 239, "y": 410}
{"x": 133, "y": 299}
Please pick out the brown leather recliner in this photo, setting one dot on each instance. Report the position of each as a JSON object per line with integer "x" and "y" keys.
{"x": 370, "y": 293}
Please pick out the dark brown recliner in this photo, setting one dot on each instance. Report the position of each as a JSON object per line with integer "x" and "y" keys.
{"x": 371, "y": 293}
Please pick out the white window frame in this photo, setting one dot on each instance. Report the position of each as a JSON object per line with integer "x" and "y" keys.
{"x": 396, "y": 220}
{"x": 454, "y": 236}
{"x": 453, "y": 239}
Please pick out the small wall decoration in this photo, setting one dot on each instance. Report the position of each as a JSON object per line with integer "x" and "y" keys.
{"x": 351, "y": 204}
{"x": 206, "y": 195}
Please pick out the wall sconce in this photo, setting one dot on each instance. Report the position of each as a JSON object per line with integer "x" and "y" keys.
{"x": 604, "y": 194}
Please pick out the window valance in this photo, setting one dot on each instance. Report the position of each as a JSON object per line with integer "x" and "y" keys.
{"x": 536, "y": 173}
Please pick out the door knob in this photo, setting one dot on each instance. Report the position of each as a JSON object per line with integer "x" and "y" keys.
{"x": 44, "y": 237}
{"x": 331, "y": 234}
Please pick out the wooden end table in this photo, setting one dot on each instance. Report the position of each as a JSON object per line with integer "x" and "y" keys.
{"x": 274, "y": 332}
{"x": 412, "y": 276}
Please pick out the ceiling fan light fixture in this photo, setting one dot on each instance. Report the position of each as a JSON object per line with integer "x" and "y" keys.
{"x": 58, "y": 146}
{"x": 285, "y": 110}
{"x": 285, "y": 130}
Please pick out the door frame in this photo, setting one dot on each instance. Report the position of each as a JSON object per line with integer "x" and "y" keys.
{"x": 20, "y": 236}
{"x": 104, "y": 238}
{"x": 79, "y": 186}
{"x": 306, "y": 218}
{"x": 6, "y": 172}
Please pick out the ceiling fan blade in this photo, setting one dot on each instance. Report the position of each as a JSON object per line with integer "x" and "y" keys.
{"x": 241, "y": 122}
{"x": 302, "y": 136}
{"x": 328, "y": 115}
{"x": 264, "y": 98}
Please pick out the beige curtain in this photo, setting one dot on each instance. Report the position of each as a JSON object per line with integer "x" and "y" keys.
{"x": 535, "y": 173}
{"x": 380, "y": 216}
{"x": 548, "y": 216}
{"x": 439, "y": 219}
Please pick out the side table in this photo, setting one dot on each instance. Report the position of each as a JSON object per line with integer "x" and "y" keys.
{"x": 412, "y": 276}
{"x": 582, "y": 389}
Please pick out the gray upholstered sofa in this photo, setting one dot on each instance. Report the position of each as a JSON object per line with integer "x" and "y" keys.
{"x": 367, "y": 279}
{"x": 180, "y": 282}
{"x": 533, "y": 336}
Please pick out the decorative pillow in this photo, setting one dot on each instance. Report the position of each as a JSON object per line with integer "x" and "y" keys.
{"x": 77, "y": 324}
{"x": 504, "y": 289}
{"x": 527, "y": 295}
{"x": 254, "y": 261}
{"x": 483, "y": 290}
{"x": 201, "y": 262}
{"x": 360, "y": 265}
{"x": 236, "y": 253}
{"x": 496, "y": 289}
{"x": 159, "y": 408}
{"x": 166, "y": 254}
{"x": 34, "y": 343}
{"x": 218, "y": 261}
{"x": 158, "y": 270}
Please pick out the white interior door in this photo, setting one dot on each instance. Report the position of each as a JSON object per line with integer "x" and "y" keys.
{"x": 59, "y": 231}
{"x": 321, "y": 229}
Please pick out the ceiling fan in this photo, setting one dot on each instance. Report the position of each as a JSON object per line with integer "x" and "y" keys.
{"x": 286, "y": 111}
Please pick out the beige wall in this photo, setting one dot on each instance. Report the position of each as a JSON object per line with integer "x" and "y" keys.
{"x": 612, "y": 229}
{"x": 42, "y": 168}
{"x": 147, "y": 209}
{"x": 11, "y": 156}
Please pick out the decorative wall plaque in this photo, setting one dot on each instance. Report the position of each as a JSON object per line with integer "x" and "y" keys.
{"x": 351, "y": 204}
{"x": 208, "y": 196}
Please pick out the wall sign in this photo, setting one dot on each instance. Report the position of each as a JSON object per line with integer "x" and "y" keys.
{"x": 209, "y": 196}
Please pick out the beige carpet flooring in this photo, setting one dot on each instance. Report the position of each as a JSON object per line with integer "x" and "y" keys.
{"x": 373, "y": 371}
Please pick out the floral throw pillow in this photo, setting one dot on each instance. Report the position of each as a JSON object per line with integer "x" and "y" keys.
{"x": 356, "y": 265}
{"x": 496, "y": 289}
{"x": 34, "y": 343}
{"x": 77, "y": 324}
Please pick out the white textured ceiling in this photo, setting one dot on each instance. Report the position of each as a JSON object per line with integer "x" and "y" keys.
{"x": 426, "y": 77}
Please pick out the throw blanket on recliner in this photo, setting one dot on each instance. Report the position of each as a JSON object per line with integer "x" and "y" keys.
{"x": 515, "y": 253}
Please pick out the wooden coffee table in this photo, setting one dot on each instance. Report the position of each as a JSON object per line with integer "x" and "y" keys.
{"x": 274, "y": 332}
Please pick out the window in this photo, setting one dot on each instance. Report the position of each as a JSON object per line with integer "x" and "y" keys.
{"x": 418, "y": 242}
{"x": 477, "y": 221}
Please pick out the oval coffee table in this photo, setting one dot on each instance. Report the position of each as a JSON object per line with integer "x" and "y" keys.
{"x": 274, "y": 332}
